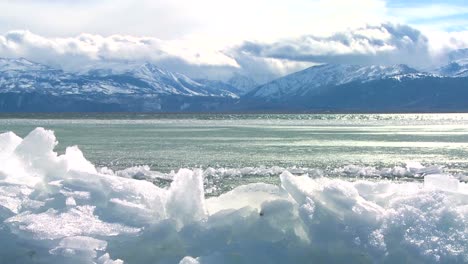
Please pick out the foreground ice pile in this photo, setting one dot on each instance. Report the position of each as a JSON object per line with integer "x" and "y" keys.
{"x": 60, "y": 209}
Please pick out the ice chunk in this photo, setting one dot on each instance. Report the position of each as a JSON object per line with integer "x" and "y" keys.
{"x": 142, "y": 173}
{"x": 414, "y": 165}
{"x": 416, "y": 168}
{"x": 82, "y": 246}
{"x": 297, "y": 187}
{"x": 37, "y": 155}
{"x": 118, "y": 199}
{"x": 186, "y": 199}
{"x": 70, "y": 202}
{"x": 39, "y": 143}
{"x": 52, "y": 224}
{"x": 76, "y": 160}
{"x": 441, "y": 182}
{"x": 248, "y": 195}
{"x": 105, "y": 259}
{"x": 12, "y": 197}
{"x": 8, "y": 143}
{"x": 189, "y": 260}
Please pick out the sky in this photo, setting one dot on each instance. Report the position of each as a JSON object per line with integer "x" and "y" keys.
{"x": 263, "y": 39}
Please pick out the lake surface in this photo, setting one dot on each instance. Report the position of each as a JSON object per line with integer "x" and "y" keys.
{"x": 309, "y": 141}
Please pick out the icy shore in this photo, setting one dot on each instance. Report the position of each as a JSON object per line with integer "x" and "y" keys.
{"x": 61, "y": 209}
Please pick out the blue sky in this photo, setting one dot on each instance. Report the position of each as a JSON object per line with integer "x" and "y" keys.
{"x": 451, "y": 15}
{"x": 216, "y": 37}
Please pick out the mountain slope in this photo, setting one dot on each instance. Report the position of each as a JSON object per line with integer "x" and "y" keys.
{"x": 458, "y": 68}
{"x": 242, "y": 83}
{"x": 354, "y": 88}
{"x": 429, "y": 94}
{"x": 318, "y": 77}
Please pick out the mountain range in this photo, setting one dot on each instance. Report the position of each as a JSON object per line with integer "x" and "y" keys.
{"x": 27, "y": 86}
{"x": 354, "y": 88}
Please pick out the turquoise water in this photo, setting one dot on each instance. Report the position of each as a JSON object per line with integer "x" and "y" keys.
{"x": 168, "y": 142}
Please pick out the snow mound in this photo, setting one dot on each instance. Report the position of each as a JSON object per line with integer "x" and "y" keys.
{"x": 61, "y": 209}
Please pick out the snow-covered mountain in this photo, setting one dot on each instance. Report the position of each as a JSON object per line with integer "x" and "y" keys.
{"x": 328, "y": 75}
{"x": 20, "y": 75}
{"x": 143, "y": 87}
{"x": 29, "y": 86}
{"x": 457, "y": 68}
{"x": 354, "y": 88}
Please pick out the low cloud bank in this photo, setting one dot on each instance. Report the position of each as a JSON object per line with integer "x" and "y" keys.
{"x": 382, "y": 44}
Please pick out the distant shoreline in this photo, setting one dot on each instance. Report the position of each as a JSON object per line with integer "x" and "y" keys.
{"x": 184, "y": 115}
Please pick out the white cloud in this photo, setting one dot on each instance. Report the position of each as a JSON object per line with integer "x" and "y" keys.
{"x": 213, "y": 38}
{"x": 185, "y": 32}
{"x": 442, "y": 43}
{"x": 374, "y": 44}
{"x": 87, "y": 51}
{"x": 175, "y": 19}
{"x": 75, "y": 52}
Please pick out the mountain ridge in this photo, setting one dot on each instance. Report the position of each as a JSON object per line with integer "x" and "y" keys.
{"x": 326, "y": 75}
{"x": 22, "y": 75}
{"x": 357, "y": 88}
{"x": 27, "y": 86}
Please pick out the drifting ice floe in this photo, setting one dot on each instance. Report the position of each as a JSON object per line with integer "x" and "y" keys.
{"x": 61, "y": 209}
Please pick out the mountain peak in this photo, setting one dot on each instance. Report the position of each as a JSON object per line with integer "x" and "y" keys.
{"x": 170, "y": 82}
{"x": 20, "y": 64}
{"x": 458, "y": 68}
{"x": 148, "y": 69}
